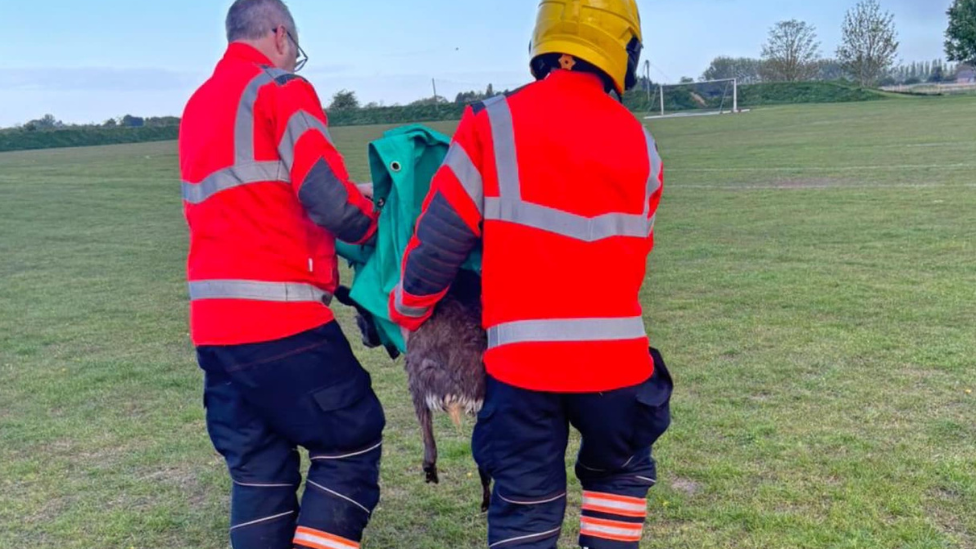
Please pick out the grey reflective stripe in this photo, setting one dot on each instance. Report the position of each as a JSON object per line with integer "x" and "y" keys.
{"x": 503, "y": 139}
{"x": 510, "y": 207}
{"x": 412, "y": 312}
{"x": 467, "y": 173}
{"x": 234, "y": 176}
{"x": 566, "y": 331}
{"x": 298, "y": 125}
{"x": 282, "y": 292}
{"x": 244, "y": 125}
{"x": 587, "y": 229}
{"x": 650, "y": 224}
{"x": 654, "y": 177}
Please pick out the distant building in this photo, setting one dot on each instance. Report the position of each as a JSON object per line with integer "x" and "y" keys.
{"x": 966, "y": 75}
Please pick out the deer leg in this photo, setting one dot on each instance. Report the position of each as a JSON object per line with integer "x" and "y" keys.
{"x": 430, "y": 445}
{"x": 485, "y": 490}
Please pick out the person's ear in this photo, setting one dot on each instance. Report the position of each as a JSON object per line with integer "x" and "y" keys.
{"x": 281, "y": 40}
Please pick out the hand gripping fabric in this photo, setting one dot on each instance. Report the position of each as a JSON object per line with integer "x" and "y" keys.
{"x": 402, "y": 164}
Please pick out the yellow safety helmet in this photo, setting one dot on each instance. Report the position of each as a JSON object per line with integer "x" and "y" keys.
{"x": 604, "y": 33}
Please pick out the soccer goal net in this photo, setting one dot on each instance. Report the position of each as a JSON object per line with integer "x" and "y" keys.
{"x": 694, "y": 99}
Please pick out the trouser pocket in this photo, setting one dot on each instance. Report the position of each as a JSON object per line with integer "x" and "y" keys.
{"x": 654, "y": 404}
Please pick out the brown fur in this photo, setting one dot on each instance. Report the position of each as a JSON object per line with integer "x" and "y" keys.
{"x": 445, "y": 369}
{"x": 444, "y": 364}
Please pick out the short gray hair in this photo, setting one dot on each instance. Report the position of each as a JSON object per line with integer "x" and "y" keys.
{"x": 252, "y": 19}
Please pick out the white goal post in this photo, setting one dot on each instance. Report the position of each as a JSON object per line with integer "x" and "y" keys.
{"x": 707, "y": 97}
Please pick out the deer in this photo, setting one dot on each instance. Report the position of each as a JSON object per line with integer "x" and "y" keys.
{"x": 444, "y": 365}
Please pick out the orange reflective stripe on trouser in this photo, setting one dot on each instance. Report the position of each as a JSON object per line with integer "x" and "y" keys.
{"x": 317, "y": 539}
{"x": 614, "y": 505}
{"x": 611, "y": 529}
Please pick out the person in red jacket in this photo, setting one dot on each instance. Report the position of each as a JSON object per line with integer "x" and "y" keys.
{"x": 266, "y": 195}
{"x": 560, "y": 185}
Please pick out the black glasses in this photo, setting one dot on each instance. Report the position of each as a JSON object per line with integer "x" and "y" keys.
{"x": 301, "y": 58}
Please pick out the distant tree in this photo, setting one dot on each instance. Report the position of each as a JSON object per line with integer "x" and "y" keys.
{"x": 344, "y": 100}
{"x": 468, "y": 97}
{"x": 429, "y": 101}
{"x": 961, "y": 35}
{"x": 110, "y": 123}
{"x": 869, "y": 43}
{"x": 687, "y": 80}
{"x": 46, "y": 122}
{"x": 372, "y": 105}
{"x": 830, "y": 70}
{"x": 744, "y": 69}
{"x": 130, "y": 121}
{"x": 937, "y": 74}
{"x": 162, "y": 121}
{"x": 791, "y": 52}
{"x": 911, "y": 81}
{"x": 490, "y": 91}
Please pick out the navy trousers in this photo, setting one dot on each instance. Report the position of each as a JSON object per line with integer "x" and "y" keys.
{"x": 521, "y": 439}
{"x": 265, "y": 400}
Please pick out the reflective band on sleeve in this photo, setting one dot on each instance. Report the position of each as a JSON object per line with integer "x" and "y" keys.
{"x": 298, "y": 125}
{"x": 503, "y": 139}
{"x": 467, "y": 173}
{"x": 611, "y": 529}
{"x": 587, "y": 229}
{"x": 234, "y": 176}
{"x": 244, "y": 124}
{"x": 650, "y": 224}
{"x": 411, "y": 312}
{"x": 614, "y": 504}
{"x": 566, "y": 330}
{"x": 282, "y": 292}
{"x": 317, "y": 539}
{"x": 654, "y": 177}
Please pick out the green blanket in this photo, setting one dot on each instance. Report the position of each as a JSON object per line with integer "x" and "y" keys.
{"x": 402, "y": 164}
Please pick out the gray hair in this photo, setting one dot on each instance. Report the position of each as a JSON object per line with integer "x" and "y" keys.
{"x": 252, "y": 19}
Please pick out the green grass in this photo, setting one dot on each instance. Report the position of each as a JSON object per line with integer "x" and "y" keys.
{"x": 813, "y": 289}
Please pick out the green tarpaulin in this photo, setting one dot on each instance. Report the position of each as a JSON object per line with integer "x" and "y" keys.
{"x": 402, "y": 164}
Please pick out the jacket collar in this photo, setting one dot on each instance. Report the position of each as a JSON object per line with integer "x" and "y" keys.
{"x": 239, "y": 51}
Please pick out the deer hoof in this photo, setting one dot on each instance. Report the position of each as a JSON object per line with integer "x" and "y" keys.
{"x": 431, "y": 472}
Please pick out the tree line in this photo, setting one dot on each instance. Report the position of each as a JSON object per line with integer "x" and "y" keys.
{"x": 50, "y": 122}
{"x": 346, "y": 100}
{"x": 866, "y": 55}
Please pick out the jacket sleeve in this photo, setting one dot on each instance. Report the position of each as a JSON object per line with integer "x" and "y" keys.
{"x": 448, "y": 229}
{"x": 317, "y": 170}
{"x": 657, "y": 181}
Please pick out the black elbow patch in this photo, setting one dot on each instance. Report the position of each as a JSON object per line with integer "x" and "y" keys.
{"x": 327, "y": 202}
{"x": 445, "y": 241}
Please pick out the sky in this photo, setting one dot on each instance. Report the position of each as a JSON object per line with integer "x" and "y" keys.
{"x": 88, "y": 61}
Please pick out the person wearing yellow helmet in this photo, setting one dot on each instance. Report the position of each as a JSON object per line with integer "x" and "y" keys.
{"x": 591, "y": 35}
{"x": 560, "y": 185}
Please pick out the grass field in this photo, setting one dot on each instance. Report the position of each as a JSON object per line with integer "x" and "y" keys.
{"x": 813, "y": 288}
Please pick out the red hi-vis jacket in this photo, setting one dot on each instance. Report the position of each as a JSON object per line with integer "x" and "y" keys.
{"x": 265, "y": 194}
{"x": 561, "y": 185}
